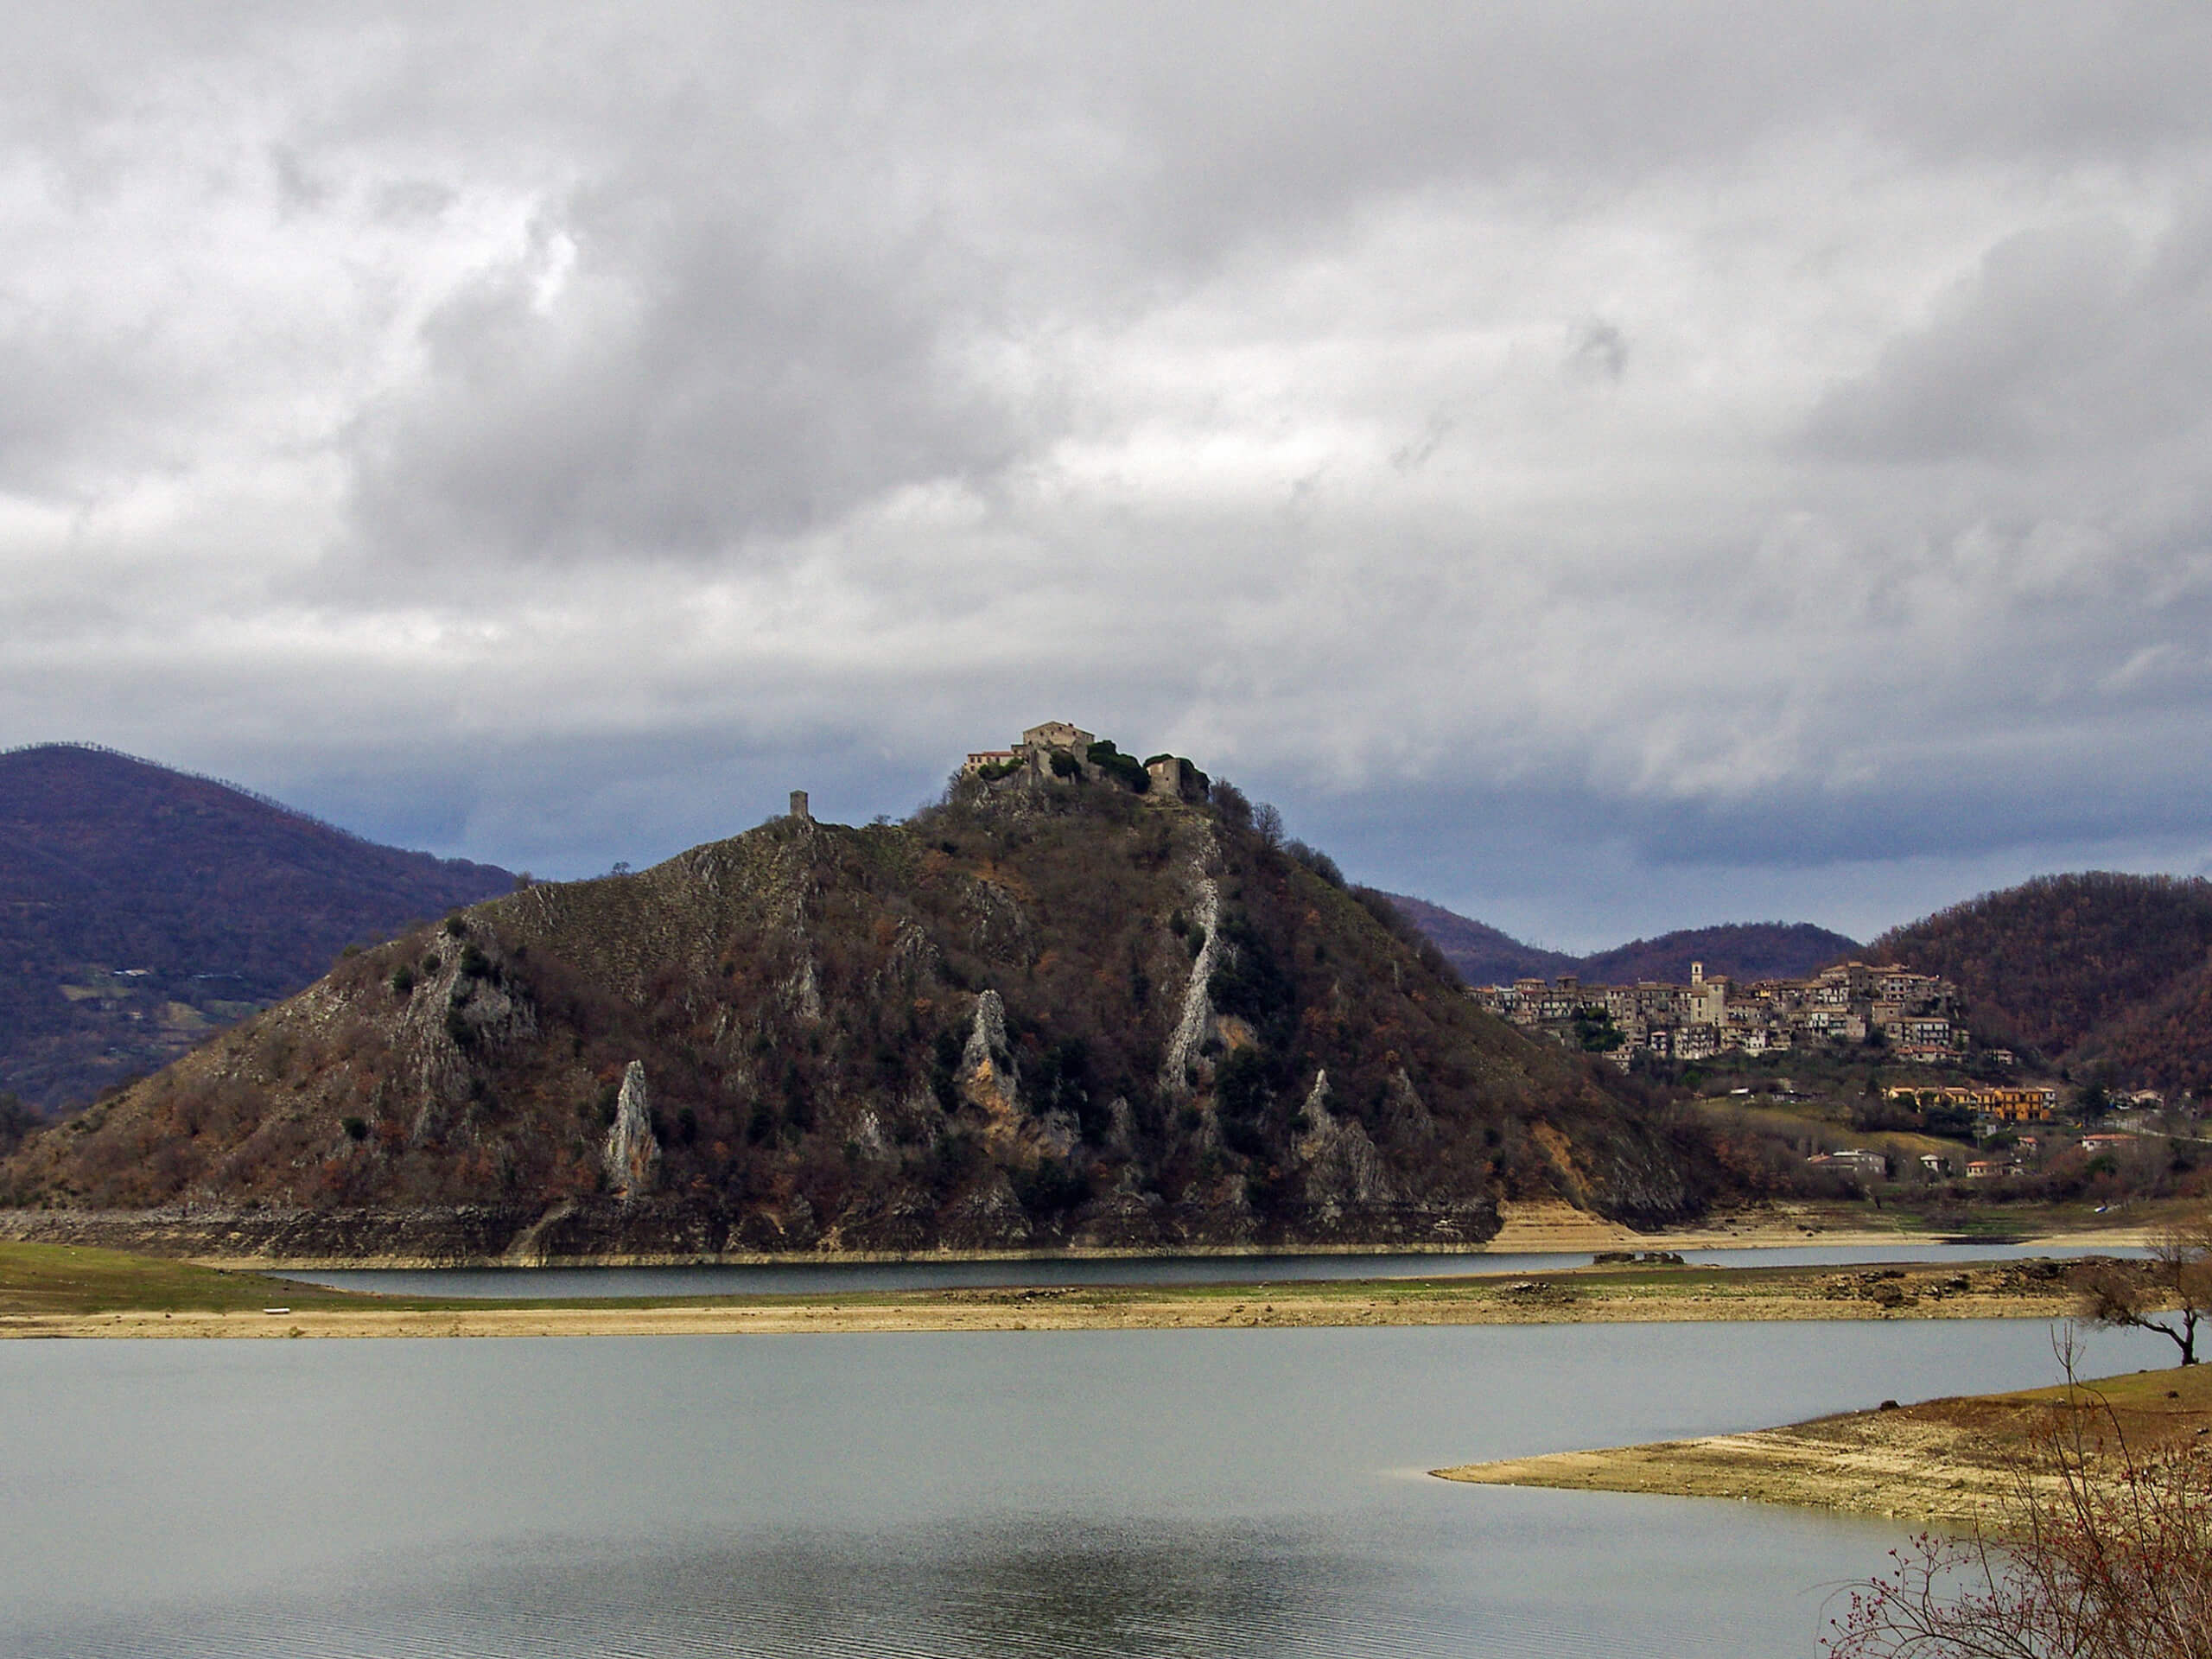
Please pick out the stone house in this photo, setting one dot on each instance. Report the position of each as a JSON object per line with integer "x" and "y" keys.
{"x": 1035, "y": 749}
{"x": 1056, "y": 734}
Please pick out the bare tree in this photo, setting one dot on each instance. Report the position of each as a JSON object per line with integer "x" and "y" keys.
{"x": 2168, "y": 1293}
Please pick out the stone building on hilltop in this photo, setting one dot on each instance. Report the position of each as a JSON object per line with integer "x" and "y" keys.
{"x": 1035, "y": 750}
{"x": 1060, "y": 752}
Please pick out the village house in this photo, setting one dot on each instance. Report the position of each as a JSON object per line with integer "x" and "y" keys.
{"x": 1856, "y": 1161}
{"x": 1056, "y": 734}
{"x": 1915, "y": 1015}
{"x": 1992, "y": 1104}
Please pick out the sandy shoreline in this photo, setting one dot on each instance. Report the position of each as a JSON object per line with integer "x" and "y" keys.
{"x": 1552, "y": 1228}
{"x": 1915, "y": 1472}
{"x": 1961, "y": 1462}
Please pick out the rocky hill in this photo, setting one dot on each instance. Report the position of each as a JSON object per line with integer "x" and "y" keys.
{"x": 2109, "y": 975}
{"x": 142, "y": 908}
{"x": 1071, "y": 1006}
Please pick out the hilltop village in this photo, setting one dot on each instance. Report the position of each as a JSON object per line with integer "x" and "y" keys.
{"x": 1060, "y": 751}
{"x": 1913, "y": 1017}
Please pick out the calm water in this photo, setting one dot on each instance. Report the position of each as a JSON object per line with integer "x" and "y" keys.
{"x": 1171, "y": 1493}
{"x": 832, "y": 1278}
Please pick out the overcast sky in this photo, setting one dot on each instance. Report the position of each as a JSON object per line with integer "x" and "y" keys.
{"x": 1604, "y": 467}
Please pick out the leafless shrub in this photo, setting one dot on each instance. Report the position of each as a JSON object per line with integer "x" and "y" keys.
{"x": 2106, "y": 1554}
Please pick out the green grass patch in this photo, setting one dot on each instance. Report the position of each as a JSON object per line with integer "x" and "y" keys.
{"x": 64, "y": 1279}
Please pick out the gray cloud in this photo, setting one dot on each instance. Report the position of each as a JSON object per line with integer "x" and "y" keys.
{"x": 1649, "y": 468}
{"x": 669, "y": 402}
{"x": 1598, "y": 352}
{"x": 2064, "y": 344}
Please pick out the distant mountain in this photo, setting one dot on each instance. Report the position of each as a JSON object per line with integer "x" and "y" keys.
{"x": 142, "y": 908}
{"x": 2099, "y": 972}
{"x": 1482, "y": 954}
{"x": 1064, "y": 1006}
{"x": 1738, "y": 950}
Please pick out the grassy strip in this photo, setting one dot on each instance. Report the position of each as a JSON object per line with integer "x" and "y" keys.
{"x": 46, "y": 1282}
{"x": 65, "y": 1279}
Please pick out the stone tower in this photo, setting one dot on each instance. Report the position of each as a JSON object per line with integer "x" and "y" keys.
{"x": 798, "y": 804}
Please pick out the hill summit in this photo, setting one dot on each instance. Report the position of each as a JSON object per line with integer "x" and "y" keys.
{"x": 141, "y": 907}
{"x": 1082, "y": 1000}
{"x": 2108, "y": 974}
{"x": 1484, "y": 956}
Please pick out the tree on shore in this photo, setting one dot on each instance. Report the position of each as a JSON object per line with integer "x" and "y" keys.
{"x": 2171, "y": 1292}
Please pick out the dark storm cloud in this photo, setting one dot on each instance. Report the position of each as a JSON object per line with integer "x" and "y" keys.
{"x": 1579, "y": 455}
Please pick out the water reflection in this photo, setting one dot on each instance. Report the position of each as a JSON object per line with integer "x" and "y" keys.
{"x": 1162, "y": 1590}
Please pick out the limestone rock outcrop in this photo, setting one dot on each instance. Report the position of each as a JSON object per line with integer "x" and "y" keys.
{"x": 632, "y": 1151}
{"x": 1342, "y": 1168}
{"x": 988, "y": 1073}
{"x": 1195, "y": 1026}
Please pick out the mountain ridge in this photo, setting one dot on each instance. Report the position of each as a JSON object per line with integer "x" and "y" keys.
{"x": 1487, "y": 955}
{"x": 141, "y": 907}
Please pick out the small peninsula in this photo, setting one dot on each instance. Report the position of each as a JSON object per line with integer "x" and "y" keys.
{"x": 1950, "y": 1462}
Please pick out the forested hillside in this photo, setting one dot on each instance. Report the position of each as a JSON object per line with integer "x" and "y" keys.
{"x": 1480, "y": 953}
{"x": 1483, "y": 956}
{"x": 142, "y": 908}
{"x": 1058, "y": 1008}
{"x": 2100, "y": 971}
{"x": 1741, "y": 950}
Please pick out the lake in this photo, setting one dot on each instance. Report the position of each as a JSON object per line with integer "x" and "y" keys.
{"x": 1170, "y": 1493}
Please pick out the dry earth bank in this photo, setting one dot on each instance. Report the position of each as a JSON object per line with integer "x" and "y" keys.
{"x": 60, "y": 1290}
{"x": 1958, "y": 1461}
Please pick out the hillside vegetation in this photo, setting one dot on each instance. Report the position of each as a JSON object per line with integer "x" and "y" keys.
{"x": 141, "y": 909}
{"x": 1745, "y": 951}
{"x": 1040, "y": 1013}
{"x": 1483, "y": 956}
{"x": 2107, "y": 974}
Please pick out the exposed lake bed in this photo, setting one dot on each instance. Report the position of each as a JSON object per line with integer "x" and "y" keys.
{"x": 62, "y": 1291}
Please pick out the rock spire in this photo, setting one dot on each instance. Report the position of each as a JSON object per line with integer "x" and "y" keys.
{"x": 632, "y": 1152}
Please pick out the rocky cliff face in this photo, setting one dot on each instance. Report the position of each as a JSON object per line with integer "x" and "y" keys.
{"x": 631, "y": 1157}
{"x": 1047, "y": 1013}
